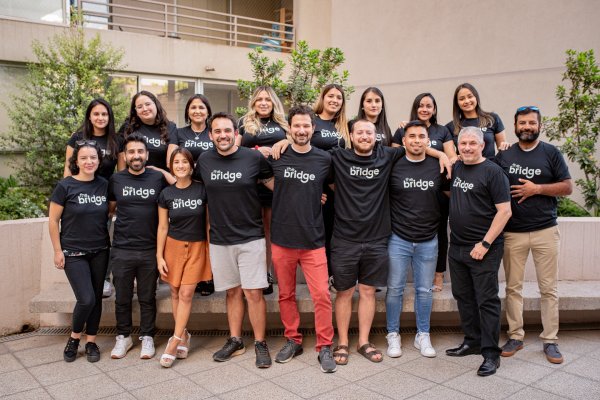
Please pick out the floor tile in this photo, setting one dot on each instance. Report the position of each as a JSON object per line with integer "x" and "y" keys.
{"x": 198, "y": 360}
{"x": 41, "y": 355}
{"x": 530, "y": 393}
{"x": 35, "y": 394}
{"x": 586, "y": 367}
{"x": 488, "y": 387}
{"x": 229, "y": 376}
{"x": 92, "y": 387}
{"x": 8, "y": 363}
{"x": 569, "y": 386}
{"x": 433, "y": 369}
{"x": 521, "y": 371}
{"x": 179, "y": 388}
{"x": 60, "y": 371}
{"x": 350, "y": 391}
{"x": 146, "y": 373}
{"x": 34, "y": 342}
{"x": 276, "y": 369}
{"x": 440, "y": 392}
{"x": 261, "y": 391}
{"x": 395, "y": 384}
{"x": 310, "y": 382}
{"x": 359, "y": 367}
{"x": 17, "y": 381}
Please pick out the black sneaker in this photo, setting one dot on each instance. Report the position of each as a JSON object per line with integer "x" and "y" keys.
{"x": 328, "y": 364}
{"x": 269, "y": 289}
{"x": 263, "y": 358}
{"x": 552, "y": 353}
{"x": 233, "y": 347}
{"x": 289, "y": 350}
{"x": 511, "y": 347}
{"x": 92, "y": 352}
{"x": 70, "y": 353}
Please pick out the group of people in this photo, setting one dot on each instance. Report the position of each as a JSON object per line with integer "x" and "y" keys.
{"x": 355, "y": 207}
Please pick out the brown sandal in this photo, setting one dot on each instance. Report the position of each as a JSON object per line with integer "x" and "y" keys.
{"x": 343, "y": 356}
{"x": 370, "y": 355}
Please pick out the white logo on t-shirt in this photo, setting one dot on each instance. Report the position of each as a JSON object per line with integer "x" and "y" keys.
{"x": 302, "y": 176}
{"x": 189, "y": 203}
{"x": 143, "y": 193}
{"x": 85, "y": 198}
{"x": 268, "y": 130}
{"x": 516, "y": 169}
{"x": 330, "y": 134}
{"x": 366, "y": 172}
{"x": 410, "y": 183}
{"x": 462, "y": 185}
{"x": 218, "y": 175}
{"x": 203, "y": 145}
{"x": 154, "y": 141}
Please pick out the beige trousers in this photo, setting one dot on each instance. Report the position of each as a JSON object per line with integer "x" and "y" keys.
{"x": 543, "y": 245}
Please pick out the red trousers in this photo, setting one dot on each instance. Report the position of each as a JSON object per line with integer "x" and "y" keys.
{"x": 314, "y": 266}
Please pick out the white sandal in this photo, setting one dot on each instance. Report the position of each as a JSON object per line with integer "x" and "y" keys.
{"x": 182, "y": 350}
{"x": 166, "y": 360}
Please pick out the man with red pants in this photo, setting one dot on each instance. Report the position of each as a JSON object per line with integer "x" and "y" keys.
{"x": 298, "y": 236}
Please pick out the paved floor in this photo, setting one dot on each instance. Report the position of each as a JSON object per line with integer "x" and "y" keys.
{"x": 32, "y": 368}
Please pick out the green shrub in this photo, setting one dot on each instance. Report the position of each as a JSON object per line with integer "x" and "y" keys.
{"x": 569, "y": 208}
{"x": 18, "y": 202}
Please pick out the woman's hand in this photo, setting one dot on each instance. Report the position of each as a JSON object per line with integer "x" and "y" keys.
{"x": 279, "y": 148}
{"x": 162, "y": 267}
{"x": 504, "y": 146}
{"x": 265, "y": 151}
{"x": 59, "y": 259}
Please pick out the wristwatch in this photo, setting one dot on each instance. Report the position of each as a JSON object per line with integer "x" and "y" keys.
{"x": 485, "y": 244}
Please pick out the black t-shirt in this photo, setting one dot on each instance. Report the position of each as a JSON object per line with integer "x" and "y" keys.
{"x": 474, "y": 193}
{"x": 361, "y": 203}
{"x": 109, "y": 161}
{"x": 83, "y": 223}
{"x": 195, "y": 142}
{"x": 269, "y": 134}
{"x": 157, "y": 148}
{"x": 187, "y": 211}
{"x": 415, "y": 191}
{"x": 438, "y": 135}
{"x": 137, "y": 212}
{"x": 235, "y": 212}
{"x": 297, "y": 220}
{"x": 326, "y": 135}
{"x": 489, "y": 133}
{"x": 543, "y": 164}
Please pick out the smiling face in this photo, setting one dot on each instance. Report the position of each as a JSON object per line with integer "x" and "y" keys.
{"x": 136, "y": 156}
{"x": 263, "y": 104}
{"x": 301, "y": 129}
{"x": 363, "y": 137}
{"x": 467, "y": 102}
{"x": 145, "y": 109}
{"x": 527, "y": 127}
{"x": 332, "y": 101}
{"x": 470, "y": 147}
{"x": 372, "y": 106}
{"x": 87, "y": 160}
{"x": 415, "y": 141}
{"x": 223, "y": 135}
{"x": 99, "y": 118}
{"x": 426, "y": 109}
{"x": 197, "y": 112}
{"x": 181, "y": 167}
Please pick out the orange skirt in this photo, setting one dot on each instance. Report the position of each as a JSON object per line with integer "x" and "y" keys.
{"x": 188, "y": 262}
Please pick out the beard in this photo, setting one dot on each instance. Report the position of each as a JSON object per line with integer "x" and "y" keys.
{"x": 136, "y": 167}
{"x": 528, "y": 136}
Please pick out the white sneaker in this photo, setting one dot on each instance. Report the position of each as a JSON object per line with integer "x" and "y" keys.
{"x": 147, "y": 347}
{"x": 107, "y": 289}
{"x": 394, "y": 345}
{"x": 122, "y": 346}
{"x": 423, "y": 343}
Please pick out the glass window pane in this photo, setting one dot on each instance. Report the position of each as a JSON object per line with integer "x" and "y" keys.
{"x": 223, "y": 97}
{"x": 172, "y": 94}
{"x": 41, "y": 10}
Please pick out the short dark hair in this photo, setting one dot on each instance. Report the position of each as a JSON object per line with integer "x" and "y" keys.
{"x": 135, "y": 137}
{"x": 528, "y": 110}
{"x": 183, "y": 151}
{"x": 302, "y": 110}
{"x": 203, "y": 99}
{"x": 361, "y": 120}
{"x": 222, "y": 115}
{"x": 413, "y": 123}
{"x": 73, "y": 159}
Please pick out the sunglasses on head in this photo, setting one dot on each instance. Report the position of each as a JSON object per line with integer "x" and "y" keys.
{"x": 528, "y": 108}
{"x": 80, "y": 143}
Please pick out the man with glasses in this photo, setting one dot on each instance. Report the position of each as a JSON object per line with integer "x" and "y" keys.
{"x": 538, "y": 174}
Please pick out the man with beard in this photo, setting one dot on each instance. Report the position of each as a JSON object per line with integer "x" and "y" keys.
{"x": 237, "y": 239}
{"x": 479, "y": 210}
{"x": 538, "y": 174}
{"x": 134, "y": 193}
{"x": 298, "y": 236}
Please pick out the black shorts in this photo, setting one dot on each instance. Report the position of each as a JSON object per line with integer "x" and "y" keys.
{"x": 365, "y": 262}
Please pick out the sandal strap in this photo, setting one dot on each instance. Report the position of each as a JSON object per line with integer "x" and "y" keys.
{"x": 167, "y": 356}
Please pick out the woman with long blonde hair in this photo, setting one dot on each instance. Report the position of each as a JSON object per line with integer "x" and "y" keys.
{"x": 332, "y": 124}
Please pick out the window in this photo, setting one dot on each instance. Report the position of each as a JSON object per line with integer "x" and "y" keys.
{"x": 172, "y": 94}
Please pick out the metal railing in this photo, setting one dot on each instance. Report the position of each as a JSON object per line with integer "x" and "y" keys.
{"x": 190, "y": 23}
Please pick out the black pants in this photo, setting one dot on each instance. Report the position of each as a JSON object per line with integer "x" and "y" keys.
{"x": 443, "y": 235}
{"x": 475, "y": 288}
{"x": 86, "y": 276}
{"x": 129, "y": 266}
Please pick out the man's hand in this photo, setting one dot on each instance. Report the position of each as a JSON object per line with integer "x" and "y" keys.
{"x": 478, "y": 251}
{"x": 524, "y": 191}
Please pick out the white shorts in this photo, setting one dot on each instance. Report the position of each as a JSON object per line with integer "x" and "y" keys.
{"x": 242, "y": 265}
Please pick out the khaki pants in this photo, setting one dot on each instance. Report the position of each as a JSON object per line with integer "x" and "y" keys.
{"x": 543, "y": 245}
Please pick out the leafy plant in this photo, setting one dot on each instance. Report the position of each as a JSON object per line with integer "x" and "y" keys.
{"x": 310, "y": 70}
{"x": 17, "y": 202}
{"x": 569, "y": 208}
{"x": 68, "y": 73}
{"x": 577, "y": 123}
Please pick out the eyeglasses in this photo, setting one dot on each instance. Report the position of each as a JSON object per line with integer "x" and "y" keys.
{"x": 80, "y": 143}
{"x": 528, "y": 108}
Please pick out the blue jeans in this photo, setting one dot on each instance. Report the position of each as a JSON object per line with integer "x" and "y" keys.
{"x": 423, "y": 257}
